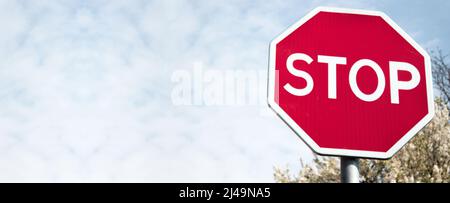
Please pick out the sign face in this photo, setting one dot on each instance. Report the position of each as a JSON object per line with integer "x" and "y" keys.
{"x": 350, "y": 83}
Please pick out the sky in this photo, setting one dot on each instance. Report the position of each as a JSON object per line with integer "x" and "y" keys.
{"x": 88, "y": 89}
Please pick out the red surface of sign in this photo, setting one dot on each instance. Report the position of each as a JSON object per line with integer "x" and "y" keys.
{"x": 350, "y": 83}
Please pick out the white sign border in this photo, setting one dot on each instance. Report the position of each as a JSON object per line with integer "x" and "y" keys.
{"x": 345, "y": 152}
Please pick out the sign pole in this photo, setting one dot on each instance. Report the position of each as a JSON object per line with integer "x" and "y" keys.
{"x": 349, "y": 170}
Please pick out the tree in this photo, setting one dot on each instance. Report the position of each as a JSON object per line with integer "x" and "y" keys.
{"x": 441, "y": 74}
{"x": 426, "y": 158}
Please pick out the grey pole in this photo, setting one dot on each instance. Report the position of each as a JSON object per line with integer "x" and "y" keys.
{"x": 349, "y": 170}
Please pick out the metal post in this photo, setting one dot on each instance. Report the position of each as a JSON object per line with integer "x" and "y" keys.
{"x": 349, "y": 170}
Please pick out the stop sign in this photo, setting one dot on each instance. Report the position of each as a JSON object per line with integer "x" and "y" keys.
{"x": 350, "y": 83}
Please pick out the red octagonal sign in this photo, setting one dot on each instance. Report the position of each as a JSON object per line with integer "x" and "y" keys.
{"x": 350, "y": 83}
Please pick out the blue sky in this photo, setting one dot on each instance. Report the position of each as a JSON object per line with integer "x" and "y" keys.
{"x": 85, "y": 87}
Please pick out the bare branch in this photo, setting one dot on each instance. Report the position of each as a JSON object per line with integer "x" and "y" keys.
{"x": 441, "y": 74}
